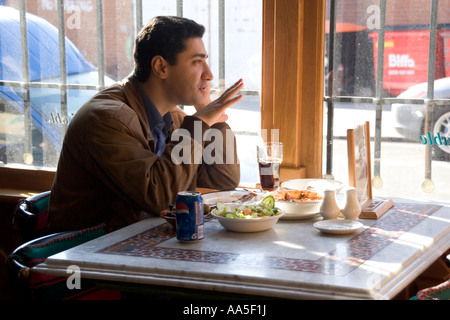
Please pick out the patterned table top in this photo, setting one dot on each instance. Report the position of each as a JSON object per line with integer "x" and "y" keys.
{"x": 354, "y": 251}
{"x": 292, "y": 260}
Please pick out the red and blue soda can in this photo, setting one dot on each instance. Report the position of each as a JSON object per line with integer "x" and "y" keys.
{"x": 189, "y": 216}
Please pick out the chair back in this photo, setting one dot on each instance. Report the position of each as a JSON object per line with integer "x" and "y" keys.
{"x": 29, "y": 284}
{"x": 31, "y": 215}
{"x": 439, "y": 292}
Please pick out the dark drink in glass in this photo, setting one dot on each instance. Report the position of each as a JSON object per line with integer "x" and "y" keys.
{"x": 269, "y": 156}
{"x": 269, "y": 174}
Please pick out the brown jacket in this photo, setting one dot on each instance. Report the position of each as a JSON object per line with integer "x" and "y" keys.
{"x": 108, "y": 171}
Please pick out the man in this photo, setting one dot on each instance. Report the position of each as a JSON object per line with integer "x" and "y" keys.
{"x": 120, "y": 160}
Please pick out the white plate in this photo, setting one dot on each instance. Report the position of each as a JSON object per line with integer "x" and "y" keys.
{"x": 300, "y": 216}
{"x": 318, "y": 185}
{"x": 337, "y": 226}
{"x": 235, "y": 196}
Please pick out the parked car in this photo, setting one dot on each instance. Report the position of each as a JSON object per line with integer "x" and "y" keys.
{"x": 409, "y": 119}
{"x": 47, "y": 118}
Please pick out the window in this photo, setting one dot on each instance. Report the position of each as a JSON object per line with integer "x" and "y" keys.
{"x": 312, "y": 123}
{"x": 38, "y": 98}
{"x": 390, "y": 65}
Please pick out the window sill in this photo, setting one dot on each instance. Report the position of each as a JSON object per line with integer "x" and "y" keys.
{"x": 19, "y": 183}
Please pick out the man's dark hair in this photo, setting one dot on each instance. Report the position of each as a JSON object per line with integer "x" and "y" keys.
{"x": 165, "y": 37}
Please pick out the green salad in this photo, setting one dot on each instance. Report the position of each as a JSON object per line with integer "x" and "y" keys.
{"x": 266, "y": 208}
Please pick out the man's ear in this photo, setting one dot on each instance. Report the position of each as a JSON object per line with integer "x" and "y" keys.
{"x": 159, "y": 67}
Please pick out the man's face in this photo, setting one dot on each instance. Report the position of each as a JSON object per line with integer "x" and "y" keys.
{"x": 189, "y": 80}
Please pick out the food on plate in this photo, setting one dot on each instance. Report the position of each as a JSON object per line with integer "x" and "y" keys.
{"x": 247, "y": 197}
{"x": 236, "y": 197}
{"x": 296, "y": 195}
{"x": 170, "y": 214}
{"x": 251, "y": 195}
{"x": 266, "y": 208}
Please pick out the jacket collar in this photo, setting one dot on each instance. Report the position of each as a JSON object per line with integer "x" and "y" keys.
{"x": 135, "y": 101}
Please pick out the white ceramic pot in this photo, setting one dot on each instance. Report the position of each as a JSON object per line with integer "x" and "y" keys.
{"x": 329, "y": 208}
{"x": 352, "y": 208}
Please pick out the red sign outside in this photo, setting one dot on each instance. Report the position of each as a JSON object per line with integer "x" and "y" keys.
{"x": 406, "y": 58}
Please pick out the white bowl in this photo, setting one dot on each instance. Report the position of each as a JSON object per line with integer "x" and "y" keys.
{"x": 306, "y": 209}
{"x": 299, "y": 210}
{"x": 248, "y": 225}
{"x": 318, "y": 185}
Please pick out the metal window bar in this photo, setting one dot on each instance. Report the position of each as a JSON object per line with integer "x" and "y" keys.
{"x": 379, "y": 93}
{"x": 379, "y": 100}
{"x": 430, "y": 94}
{"x": 26, "y": 77}
{"x": 100, "y": 44}
{"x": 139, "y": 15}
{"x": 179, "y": 8}
{"x": 221, "y": 44}
{"x": 62, "y": 64}
{"x": 329, "y": 101}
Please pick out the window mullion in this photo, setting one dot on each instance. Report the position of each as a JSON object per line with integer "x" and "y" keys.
{"x": 221, "y": 44}
{"x": 379, "y": 96}
{"x": 26, "y": 78}
{"x": 179, "y": 8}
{"x": 432, "y": 49}
{"x": 100, "y": 44}
{"x": 62, "y": 65}
{"x": 329, "y": 102}
{"x": 428, "y": 184}
{"x": 139, "y": 15}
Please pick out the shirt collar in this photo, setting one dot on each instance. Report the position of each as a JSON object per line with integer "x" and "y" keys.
{"x": 154, "y": 117}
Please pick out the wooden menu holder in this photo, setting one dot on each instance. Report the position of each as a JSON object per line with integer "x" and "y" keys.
{"x": 360, "y": 173}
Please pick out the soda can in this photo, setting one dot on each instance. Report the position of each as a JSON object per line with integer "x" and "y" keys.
{"x": 189, "y": 216}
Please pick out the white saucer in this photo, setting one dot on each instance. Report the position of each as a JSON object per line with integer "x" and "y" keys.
{"x": 337, "y": 226}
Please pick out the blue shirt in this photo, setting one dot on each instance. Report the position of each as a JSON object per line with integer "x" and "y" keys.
{"x": 159, "y": 125}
